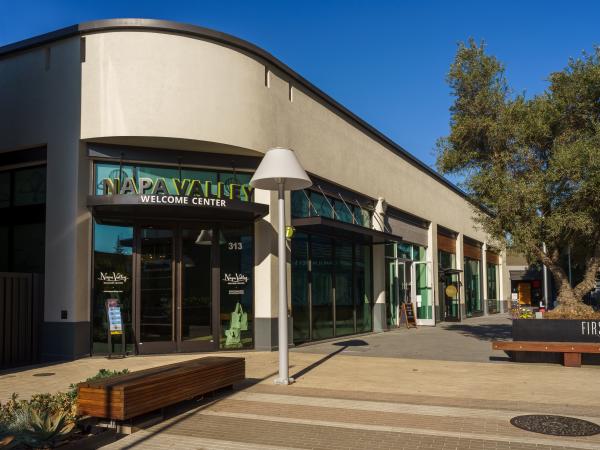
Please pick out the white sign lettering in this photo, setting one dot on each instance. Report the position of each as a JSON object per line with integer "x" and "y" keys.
{"x": 179, "y": 200}
{"x": 236, "y": 278}
{"x": 113, "y": 277}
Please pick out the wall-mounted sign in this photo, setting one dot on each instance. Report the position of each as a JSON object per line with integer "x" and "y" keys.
{"x": 451, "y": 291}
{"x": 177, "y": 191}
{"x": 115, "y": 324}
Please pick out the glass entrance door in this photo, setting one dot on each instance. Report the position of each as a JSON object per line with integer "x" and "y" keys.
{"x": 174, "y": 295}
{"x": 399, "y": 280}
{"x": 422, "y": 292}
{"x": 195, "y": 306}
{"x": 450, "y": 290}
{"x": 156, "y": 288}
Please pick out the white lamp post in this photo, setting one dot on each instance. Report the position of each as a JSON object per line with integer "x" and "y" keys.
{"x": 280, "y": 171}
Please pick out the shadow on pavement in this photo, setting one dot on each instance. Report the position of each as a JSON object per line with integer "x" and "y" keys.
{"x": 181, "y": 411}
{"x": 343, "y": 346}
{"x": 484, "y": 332}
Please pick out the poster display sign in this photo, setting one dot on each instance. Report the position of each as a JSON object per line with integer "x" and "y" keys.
{"x": 115, "y": 324}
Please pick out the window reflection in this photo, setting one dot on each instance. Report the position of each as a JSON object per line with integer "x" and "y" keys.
{"x": 113, "y": 249}
{"x": 236, "y": 280}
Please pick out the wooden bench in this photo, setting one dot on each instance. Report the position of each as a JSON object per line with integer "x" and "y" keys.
{"x": 571, "y": 350}
{"x": 125, "y": 396}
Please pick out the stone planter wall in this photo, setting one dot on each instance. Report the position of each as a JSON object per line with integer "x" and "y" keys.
{"x": 554, "y": 330}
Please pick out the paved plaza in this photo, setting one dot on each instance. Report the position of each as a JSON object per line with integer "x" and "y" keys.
{"x": 360, "y": 394}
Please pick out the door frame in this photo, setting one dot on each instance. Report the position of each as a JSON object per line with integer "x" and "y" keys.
{"x": 443, "y": 308}
{"x": 176, "y": 344}
{"x": 429, "y": 283}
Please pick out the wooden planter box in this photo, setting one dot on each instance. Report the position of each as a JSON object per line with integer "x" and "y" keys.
{"x": 556, "y": 330}
{"x": 126, "y": 396}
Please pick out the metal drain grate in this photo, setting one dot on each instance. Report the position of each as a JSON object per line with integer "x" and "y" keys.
{"x": 555, "y": 425}
{"x": 43, "y": 374}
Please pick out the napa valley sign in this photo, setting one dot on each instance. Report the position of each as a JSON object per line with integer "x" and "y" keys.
{"x": 175, "y": 191}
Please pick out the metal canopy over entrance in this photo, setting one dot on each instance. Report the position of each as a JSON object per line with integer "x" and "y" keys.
{"x": 332, "y": 227}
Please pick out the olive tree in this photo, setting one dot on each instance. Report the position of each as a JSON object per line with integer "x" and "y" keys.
{"x": 532, "y": 163}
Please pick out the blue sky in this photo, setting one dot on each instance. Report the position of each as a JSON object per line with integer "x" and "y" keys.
{"x": 384, "y": 60}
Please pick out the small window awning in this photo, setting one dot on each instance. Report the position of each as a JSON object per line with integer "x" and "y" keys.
{"x": 451, "y": 271}
{"x": 337, "y": 228}
{"x": 126, "y": 208}
{"x": 526, "y": 275}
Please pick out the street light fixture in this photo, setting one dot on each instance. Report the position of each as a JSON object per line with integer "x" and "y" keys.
{"x": 281, "y": 171}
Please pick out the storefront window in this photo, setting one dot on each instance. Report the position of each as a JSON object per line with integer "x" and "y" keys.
{"x": 4, "y": 189}
{"x": 113, "y": 172}
{"x": 113, "y": 250}
{"x": 29, "y": 248}
{"x": 4, "y": 248}
{"x": 233, "y": 178}
{"x": 322, "y": 287}
{"x": 449, "y": 286}
{"x": 423, "y": 291}
{"x": 362, "y": 277}
{"x": 309, "y": 203}
{"x": 196, "y": 288}
{"x": 446, "y": 260}
{"x": 300, "y": 273}
{"x": 321, "y": 206}
{"x": 343, "y": 212}
{"x": 237, "y": 268}
{"x": 154, "y": 173}
{"x": 30, "y": 186}
{"x": 22, "y": 220}
{"x": 363, "y": 216}
{"x": 419, "y": 253}
{"x": 492, "y": 288}
{"x": 156, "y": 285}
{"x": 472, "y": 287}
{"x": 405, "y": 250}
{"x": 344, "y": 303}
{"x": 300, "y": 206}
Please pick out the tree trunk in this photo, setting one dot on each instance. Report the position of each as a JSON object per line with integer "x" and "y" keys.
{"x": 570, "y": 300}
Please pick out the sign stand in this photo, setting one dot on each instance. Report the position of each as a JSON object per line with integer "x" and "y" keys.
{"x": 408, "y": 313}
{"x": 115, "y": 326}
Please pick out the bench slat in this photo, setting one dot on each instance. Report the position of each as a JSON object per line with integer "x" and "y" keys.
{"x": 536, "y": 346}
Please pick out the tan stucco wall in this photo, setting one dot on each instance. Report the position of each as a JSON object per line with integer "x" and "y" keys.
{"x": 147, "y": 84}
{"x": 40, "y": 105}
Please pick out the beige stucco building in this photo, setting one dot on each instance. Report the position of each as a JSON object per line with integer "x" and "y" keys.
{"x": 126, "y": 147}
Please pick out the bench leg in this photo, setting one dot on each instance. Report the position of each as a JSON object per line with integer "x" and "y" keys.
{"x": 572, "y": 359}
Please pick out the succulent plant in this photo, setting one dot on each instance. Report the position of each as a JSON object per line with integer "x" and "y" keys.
{"x": 40, "y": 428}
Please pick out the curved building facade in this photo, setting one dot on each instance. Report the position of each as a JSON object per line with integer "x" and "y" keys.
{"x": 126, "y": 148}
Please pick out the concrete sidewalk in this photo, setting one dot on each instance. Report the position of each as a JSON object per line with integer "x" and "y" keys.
{"x": 469, "y": 340}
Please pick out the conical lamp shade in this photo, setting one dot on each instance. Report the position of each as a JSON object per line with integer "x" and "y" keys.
{"x": 280, "y": 165}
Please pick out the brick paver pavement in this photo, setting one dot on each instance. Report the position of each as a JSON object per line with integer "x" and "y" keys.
{"x": 356, "y": 402}
{"x": 264, "y": 416}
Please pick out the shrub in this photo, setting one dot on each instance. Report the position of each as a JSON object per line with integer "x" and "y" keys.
{"x": 45, "y": 419}
{"x": 40, "y": 428}
{"x": 102, "y": 373}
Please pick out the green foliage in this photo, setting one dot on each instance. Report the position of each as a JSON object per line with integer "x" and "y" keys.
{"x": 45, "y": 419}
{"x": 519, "y": 312}
{"x": 40, "y": 422}
{"x": 102, "y": 373}
{"x": 532, "y": 163}
{"x": 40, "y": 428}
